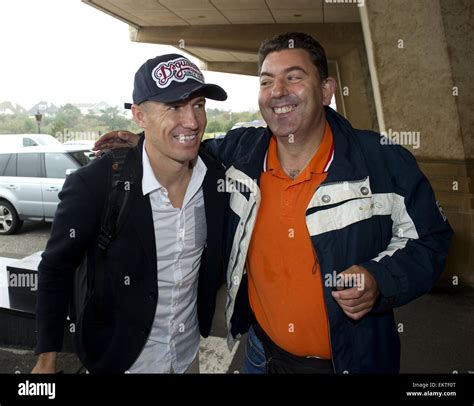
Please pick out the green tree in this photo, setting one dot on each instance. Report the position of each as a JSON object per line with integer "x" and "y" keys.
{"x": 215, "y": 126}
{"x": 112, "y": 119}
{"x": 56, "y": 129}
{"x": 69, "y": 115}
{"x": 17, "y": 124}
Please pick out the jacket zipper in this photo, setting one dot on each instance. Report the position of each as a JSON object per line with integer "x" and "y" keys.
{"x": 320, "y": 274}
{"x": 326, "y": 308}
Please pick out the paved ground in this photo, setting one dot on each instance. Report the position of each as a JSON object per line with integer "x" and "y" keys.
{"x": 31, "y": 238}
{"x": 437, "y": 330}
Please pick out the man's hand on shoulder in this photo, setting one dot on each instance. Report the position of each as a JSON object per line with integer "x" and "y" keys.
{"x": 46, "y": 363}
{"x": 359, "y": 298}
{"x": 116, "y": 139}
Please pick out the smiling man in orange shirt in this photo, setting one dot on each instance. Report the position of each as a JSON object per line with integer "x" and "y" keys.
{"x": 315, "y": 202}
{"x": 326, "y": 204}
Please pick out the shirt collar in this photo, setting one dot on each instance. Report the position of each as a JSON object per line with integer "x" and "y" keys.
{"x": 319, "y": 163}
{"x": 151, "y": 184}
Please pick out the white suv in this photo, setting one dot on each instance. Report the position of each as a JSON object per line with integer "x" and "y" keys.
{"x": 26, "y": 140}
{"x": 30, "y": 180}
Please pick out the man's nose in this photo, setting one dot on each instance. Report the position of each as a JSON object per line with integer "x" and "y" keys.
{"x": 279, "y": 88}
{"x": 189, "y": 119}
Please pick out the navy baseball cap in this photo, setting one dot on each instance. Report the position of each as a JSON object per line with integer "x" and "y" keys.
{"x": 170, "y": 78}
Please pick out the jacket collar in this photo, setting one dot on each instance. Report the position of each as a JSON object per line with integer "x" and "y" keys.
{"x": 252, "y": 152}
{"x": 348, "y": 162}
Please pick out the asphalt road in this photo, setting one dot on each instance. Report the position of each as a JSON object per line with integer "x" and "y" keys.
{"x": 31, "y": 238}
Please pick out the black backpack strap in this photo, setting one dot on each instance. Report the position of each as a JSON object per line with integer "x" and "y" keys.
{"x": 123, "y": 170}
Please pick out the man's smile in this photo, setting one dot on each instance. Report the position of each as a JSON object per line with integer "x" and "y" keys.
{"x": 284, "y": 109}
{"x": 185, "y": 138}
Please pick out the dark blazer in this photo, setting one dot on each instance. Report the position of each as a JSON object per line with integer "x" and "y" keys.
{"x": 131, "y": 290}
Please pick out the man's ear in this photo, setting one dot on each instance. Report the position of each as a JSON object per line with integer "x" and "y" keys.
{"x": 139, "y": 115}
{"x": 329, "y": 88}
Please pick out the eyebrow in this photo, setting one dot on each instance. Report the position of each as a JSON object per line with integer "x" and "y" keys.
{"x": 285, "y": 71}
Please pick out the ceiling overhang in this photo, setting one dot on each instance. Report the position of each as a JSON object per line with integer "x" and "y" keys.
{"x": 226, "y": 34}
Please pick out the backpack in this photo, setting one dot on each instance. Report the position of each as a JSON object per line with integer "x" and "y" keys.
{"x": 123, "y": 168}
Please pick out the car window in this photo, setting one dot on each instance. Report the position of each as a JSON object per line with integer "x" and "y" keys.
{"x": 57, "y": 163}
{"x": 28, "y": 165}
{"x": 10, "y": 170}
{"x": 83, "y": 157}
{"x": 3, "y": 162}
{"x": 28, "y": 142}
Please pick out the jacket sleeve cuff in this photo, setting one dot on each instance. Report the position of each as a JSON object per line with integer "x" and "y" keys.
{"x": 388, "y": 287}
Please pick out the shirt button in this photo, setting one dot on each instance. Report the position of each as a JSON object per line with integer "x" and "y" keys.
{"x": 326, "y": 199}
{"x": 364, "y": 190}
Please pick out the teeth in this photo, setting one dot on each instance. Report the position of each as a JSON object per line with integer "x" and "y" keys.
{"x": 186, "y": 138}
{"x": 284, "y": 109}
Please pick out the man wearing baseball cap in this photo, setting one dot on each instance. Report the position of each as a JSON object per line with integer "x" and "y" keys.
{"x": 163, "y": 266}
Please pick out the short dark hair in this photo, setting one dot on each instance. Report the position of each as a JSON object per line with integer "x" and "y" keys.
{"x": 296, "y": 40}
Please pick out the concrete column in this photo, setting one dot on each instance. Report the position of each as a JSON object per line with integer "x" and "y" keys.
{"x": 356, "y": 89}
{"x": 412, "y": 68}
{"x": 420, "y": 57}
{"x": 458, "y": 18}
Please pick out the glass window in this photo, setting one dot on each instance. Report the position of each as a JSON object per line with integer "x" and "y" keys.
{"x": 28, "y": 165}
{"x": 28, "y": 142}
{"x": 57, "y": 163}
{"x": 83, "y": 157}
{"x": 10, "y": 170}
{"x": 3, "y": 162}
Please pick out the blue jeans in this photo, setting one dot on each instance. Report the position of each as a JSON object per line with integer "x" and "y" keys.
{"x": 254, "y": 360}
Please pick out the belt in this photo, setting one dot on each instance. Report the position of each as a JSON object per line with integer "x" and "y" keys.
{"x": 281, "y": 361}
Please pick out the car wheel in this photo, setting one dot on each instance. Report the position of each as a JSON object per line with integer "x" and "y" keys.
{"x": 10, "y": 223}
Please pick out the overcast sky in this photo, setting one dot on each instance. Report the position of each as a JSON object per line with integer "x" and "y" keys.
{"x": 66, "y": 51}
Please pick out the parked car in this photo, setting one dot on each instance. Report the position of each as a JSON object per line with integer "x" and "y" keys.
{"x": 26, "y": 140}
{"x": 89, "y": 144}
{"x": 30, "y": 180}
{"x": 80, "y": 145}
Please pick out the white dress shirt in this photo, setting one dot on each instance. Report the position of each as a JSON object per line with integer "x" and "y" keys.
{"x": 180, "y": 236}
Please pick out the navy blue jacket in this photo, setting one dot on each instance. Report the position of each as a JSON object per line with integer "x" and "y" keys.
{"x": 113, "y": 346}
{"x": 375, "y": 209}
